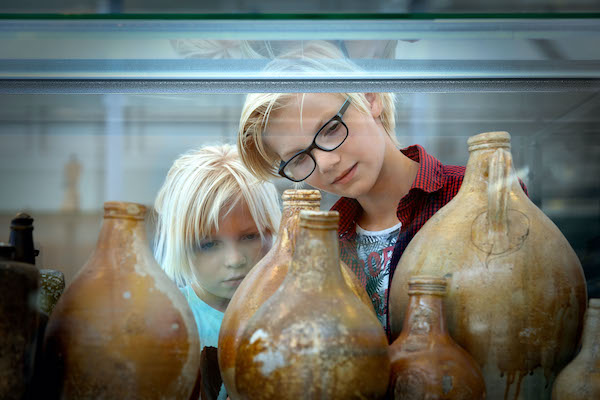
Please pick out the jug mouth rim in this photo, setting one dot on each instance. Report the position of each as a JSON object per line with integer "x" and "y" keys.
{"x": 427, "y": 284}
{"x": 489, "y": 140}
{"x": 123, "y": 209}
{"x": 307, "y": 195}
{"x": 319, "y": 219}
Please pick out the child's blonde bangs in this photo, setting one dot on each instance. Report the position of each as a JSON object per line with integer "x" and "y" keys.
{"x": 201, "y": 187}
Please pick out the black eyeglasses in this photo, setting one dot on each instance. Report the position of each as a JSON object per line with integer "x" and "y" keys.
{"x": 328, "y": 138}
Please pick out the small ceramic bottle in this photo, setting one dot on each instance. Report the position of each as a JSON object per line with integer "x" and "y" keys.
{"x": 122, "y": 329}
{"x": 580, "y": 380}
{"x": 313, "y": 339}
{"x": 426, "y": 362}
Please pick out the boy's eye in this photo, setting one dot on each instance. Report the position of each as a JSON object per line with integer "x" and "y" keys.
{"x": 331, "y": 127}
{"x": 249, "y": 237}
{"x": 299, "y": 159}
{"x": 210, "y": 245}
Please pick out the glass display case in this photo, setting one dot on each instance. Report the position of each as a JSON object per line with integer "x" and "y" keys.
{"x": 96, "y": 107}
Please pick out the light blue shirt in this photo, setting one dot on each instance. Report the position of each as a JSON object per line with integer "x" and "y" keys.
{"x": 208, "y": 321}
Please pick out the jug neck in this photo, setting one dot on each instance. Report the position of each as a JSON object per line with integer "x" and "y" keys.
{"x": 425, "y": 315}
{"x": 295, "y": 201}
{"x": 21, "y": 237}
{"x": 490, "y": 165}
{"x": 315, "y": 264}
{"x": 123, "y": 228}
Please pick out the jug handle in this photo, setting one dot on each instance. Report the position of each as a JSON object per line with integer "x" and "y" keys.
{"x": 498, "y": 192}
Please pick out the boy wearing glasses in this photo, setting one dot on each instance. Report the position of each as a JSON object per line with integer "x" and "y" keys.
{"x": 344, "y": 144}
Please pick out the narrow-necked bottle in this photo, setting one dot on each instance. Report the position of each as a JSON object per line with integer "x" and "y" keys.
{"x": 314, "y": 338}
{"x": 122, "y": 329}
{"x": 265, "y": 278}
{"x": 426, "y": 362}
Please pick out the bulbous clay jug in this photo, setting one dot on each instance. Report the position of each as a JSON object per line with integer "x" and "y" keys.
{"x": 580, "y": 380}
{"x": 18, "y": 324}
{"x": 122, "y": 329}
{"x": 426, "y": 362}
{"x": 313, "y": 339}
{"x": 265, "y": 278}
{"x": 516, "y": 290}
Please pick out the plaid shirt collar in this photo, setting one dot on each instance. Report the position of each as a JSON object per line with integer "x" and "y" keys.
{"x": 429, "y": 178}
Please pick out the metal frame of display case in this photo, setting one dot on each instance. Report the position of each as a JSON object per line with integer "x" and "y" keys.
{"x": 32, "y": 73}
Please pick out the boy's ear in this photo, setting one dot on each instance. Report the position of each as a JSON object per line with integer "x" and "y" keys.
{"x": 375, "y": 104}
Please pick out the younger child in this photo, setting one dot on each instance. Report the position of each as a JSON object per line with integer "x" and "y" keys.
{"x": 215, "y": 222}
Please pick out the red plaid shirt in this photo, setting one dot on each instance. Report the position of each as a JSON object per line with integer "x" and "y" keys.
{"x": 434, "y": 186}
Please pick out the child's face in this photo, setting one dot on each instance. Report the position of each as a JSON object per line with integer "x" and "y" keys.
{"x": 225, "y": 258}
{"x": 353, "y": 168}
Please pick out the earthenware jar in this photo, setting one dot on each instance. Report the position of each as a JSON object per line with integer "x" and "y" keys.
{"x": 18, "y": 324}
{"x": 313, "y": 339}
{"x": 122, "y": 329}
{"x": 580, "y": 380}
{"x": 516, "y": 290}
{"x": 265, "y": 278}
{"x": 426, "y": 362}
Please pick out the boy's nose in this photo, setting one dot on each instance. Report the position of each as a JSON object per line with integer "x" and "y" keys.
{"x": 326, "y": 160}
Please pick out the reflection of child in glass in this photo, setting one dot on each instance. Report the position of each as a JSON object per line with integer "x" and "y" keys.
{"x": 345, "y": 144}
{"x": 215, "y": 221}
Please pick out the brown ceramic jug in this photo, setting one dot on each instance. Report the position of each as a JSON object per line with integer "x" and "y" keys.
{"x": 265, "y": 278}
{"x": 580, "y": 380}
{"x": 426, "y": 362}
{"x": 516, "y": 290}
{"x": 18, "y": 324}
{"x": 313, "y": 339}
{"x": 122, "y": 329}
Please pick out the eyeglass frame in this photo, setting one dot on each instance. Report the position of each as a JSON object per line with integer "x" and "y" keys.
{"x": 337, "y": 117}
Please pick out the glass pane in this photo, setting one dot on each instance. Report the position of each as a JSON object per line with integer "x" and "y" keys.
{"x": 62, "y": 156}
{"x": 240, "y": 50}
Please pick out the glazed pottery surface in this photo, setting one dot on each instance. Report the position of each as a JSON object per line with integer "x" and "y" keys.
{"x": 516, "y": 290}
{"x": 265, "y": 278}
{"x": 313, "y": 339}
{"x": 580, "y": 380}
{"x": 426, "y": 362}
{"x": 122, "y": 329}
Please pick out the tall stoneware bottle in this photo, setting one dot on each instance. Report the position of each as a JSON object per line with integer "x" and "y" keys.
{"x": 516, "y": 290}
{"x": 580, "y": 380}
{"x": 265, "y": 278}
{"x": 122, "y": 329}
{"x": 313, "y": 339}
{"x": 18, "y": 324}
{"x": 426, "y": 362}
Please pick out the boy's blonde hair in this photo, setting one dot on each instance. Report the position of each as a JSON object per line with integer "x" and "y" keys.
{"x": 314, "y": 59}
{"x": 201, "y": 186}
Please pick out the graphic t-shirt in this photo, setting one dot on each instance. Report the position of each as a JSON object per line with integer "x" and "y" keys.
{"x": 375, "y": 250}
